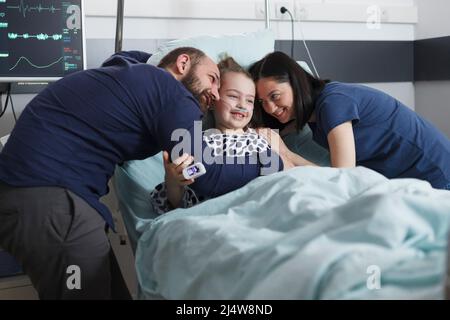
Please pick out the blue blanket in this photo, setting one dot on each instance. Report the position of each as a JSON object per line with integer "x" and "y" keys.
{"x": 308, "y": 233}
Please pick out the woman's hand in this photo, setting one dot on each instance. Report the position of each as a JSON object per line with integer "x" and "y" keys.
{"x": 274, "y": 140}
{"x": 277, "y": 144}
{"x": 174, "y": 178}
{"x": 290, "y": 159}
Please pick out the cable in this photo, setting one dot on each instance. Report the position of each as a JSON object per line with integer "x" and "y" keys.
{"x": 8, "y": 96}
{"x": 307, "y": 49}
{"x": 12, "y": 108}
{"x": 283, "y": 10}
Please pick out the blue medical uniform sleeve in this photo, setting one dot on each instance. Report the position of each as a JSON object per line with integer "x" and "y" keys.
{"x": 335, "y": 110}
{"x": 219, "y": 178}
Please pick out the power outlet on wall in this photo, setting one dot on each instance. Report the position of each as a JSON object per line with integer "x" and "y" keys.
{"x": 278, "y": 13}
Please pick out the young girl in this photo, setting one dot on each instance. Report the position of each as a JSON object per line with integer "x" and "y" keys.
{"x": 359, "y": 125}
{"x": 230, "y": 136}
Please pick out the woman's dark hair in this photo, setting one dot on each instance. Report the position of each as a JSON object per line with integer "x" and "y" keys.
{"x": 306, "y": 88}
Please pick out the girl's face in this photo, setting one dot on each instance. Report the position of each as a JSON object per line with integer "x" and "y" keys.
{"x": 276, "y": 98}
{"x": 234, "y": 110}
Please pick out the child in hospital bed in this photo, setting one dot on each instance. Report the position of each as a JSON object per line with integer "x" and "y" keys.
{"x": 232, "y": 137}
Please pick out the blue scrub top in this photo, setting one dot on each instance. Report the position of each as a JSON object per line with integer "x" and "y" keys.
{"x": 78, "y": 129}
{"x": 390, "y": 138}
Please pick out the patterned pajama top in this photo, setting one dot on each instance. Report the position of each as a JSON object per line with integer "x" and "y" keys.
{"x": 237, "y": 147}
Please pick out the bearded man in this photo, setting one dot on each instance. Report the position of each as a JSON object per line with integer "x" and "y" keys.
{"x": 63, "y": 150}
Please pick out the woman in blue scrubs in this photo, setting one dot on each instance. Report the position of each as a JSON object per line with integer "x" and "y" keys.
{"x": 357, "y": 124}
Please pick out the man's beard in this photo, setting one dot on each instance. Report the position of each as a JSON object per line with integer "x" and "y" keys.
{"x": 192, "y": 83}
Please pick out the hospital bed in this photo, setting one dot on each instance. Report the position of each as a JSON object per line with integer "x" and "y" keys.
{"x": 308, "y": 233}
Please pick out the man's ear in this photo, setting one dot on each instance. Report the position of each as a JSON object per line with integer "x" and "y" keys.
{"x": 183, "y": 64}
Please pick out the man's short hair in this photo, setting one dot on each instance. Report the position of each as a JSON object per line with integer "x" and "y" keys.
{"x": 194, "y": 54}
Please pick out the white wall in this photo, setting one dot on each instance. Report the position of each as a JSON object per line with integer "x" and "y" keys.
{"x": 434, "y": 19}
{"x": 155, "y": 19}
{"x": 433, "y": 102}
{"x": 403, "y": 91}
{"x": 324, "y": 20}
{"x": 432, "y": 97}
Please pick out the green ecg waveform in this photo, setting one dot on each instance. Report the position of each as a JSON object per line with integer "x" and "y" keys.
{"x": 33, "y": 65}
{"x": 24, "y": 8}
{"x": 40, "y": 36}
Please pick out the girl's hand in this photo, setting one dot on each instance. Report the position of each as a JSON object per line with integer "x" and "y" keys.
{"x": 174, "y": 170}
{"x": 174, "y": 178}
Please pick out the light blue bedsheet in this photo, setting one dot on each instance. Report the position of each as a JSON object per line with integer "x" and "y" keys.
{"x": 308, "y": 233}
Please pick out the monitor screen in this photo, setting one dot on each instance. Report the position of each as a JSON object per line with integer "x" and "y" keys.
{"x": 40, "y": 40}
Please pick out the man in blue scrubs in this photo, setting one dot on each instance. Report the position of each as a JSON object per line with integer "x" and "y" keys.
{"x": 63, "y": 151}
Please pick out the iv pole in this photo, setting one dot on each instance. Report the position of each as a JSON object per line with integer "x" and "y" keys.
{"x": 267, "y": 12}
{"x": 118, "y": 47}
{"x": 119, "y": 26}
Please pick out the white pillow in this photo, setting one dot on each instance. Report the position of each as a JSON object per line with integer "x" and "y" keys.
{"x": 245, "y": 48}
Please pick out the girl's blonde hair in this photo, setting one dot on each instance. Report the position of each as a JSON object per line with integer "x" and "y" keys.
{"x": 228, "y": 64}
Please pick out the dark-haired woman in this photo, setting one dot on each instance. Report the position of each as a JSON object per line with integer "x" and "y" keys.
{"x": 357, "y": 124}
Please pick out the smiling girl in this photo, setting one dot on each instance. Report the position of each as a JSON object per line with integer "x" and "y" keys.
{"x": 229, "y": 136}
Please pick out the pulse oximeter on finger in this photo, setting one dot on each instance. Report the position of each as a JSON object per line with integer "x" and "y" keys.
{"x": 194, "y": 171}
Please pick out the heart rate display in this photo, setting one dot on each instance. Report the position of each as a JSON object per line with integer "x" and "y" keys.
{"x": 24, "y": 8}
{"x": 40, "y": 40}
